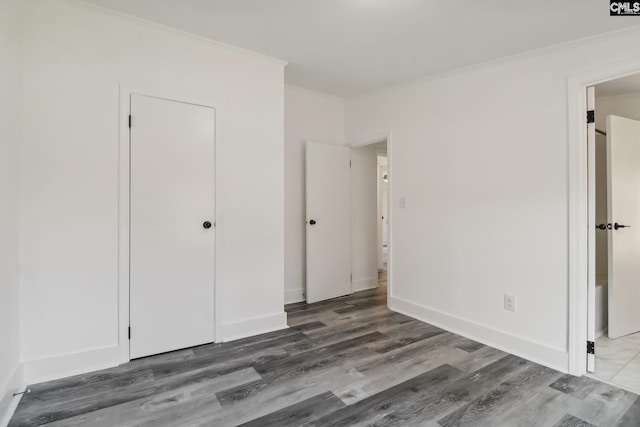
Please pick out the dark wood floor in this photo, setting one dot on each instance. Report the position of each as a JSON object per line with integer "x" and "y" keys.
{"x": 343, "y": 362}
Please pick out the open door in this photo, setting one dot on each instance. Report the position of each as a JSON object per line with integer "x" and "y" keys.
{"x": 328, "y": 211}
{"x": 623, "y": 209}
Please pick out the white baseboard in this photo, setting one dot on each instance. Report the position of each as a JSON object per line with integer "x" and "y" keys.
{"x": 53, "y": 368}
{"x": 364, "y": 284}
{"x": 255, "y": 326}
{"x": 551, "y": 357}
{"x": 9, "y": 403}
{"x": 293, "y": 295}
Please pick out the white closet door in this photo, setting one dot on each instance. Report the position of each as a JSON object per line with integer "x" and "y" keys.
{"x": 172, "y": 236}
{"x": 328, "y": 200}
{"x": 623, "y": 206}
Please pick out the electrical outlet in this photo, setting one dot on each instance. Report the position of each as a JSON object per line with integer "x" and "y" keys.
{"x": 403, "y": 202}
{"x": 509, "y": 302}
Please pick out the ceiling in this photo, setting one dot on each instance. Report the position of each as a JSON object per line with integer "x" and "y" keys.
{"x": 622, "y": 86}
{"x": 348, "y": 47}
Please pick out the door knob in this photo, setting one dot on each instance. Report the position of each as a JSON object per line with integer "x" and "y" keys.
{"x": 312, "y": 222}
{"x": 206, "y": 225}
{"x": 616, "y": 226}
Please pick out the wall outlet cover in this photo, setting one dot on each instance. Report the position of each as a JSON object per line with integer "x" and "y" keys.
{"x": 509, "y": 302}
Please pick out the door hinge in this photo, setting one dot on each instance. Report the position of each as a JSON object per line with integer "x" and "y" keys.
{"x": 129, "y": 121}
{"x": 591, "y": 347}
{"x": 129, "y": 332}
{"x": 351, "y": 277}
{"x": 349, "y": 163}
{"x": 591, "y": 116}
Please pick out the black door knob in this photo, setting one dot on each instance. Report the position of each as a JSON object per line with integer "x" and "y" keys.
{"x": 312, "y": 222}
{"x": 206, "y": 225}
{"x": 616, "y": 226}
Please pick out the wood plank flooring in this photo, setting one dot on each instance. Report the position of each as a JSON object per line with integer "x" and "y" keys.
{"x": 344, "y": 362}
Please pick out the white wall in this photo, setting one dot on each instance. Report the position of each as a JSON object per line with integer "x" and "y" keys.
{"x": 627, "y": 105}
{"x": 10, "y": 106}
{"x": 481, "y": 157}
{"x": 76, "y": 56}
{"x": 309, "y": 116}
{"x": 364, "y": 207}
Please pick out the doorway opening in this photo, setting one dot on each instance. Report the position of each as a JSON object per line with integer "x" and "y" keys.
{"x": 371, "y": 188}
{"x": 382, "y": 241}
{"x": 581, "y": 209}
{"x": 347, "y": 220}
{"x": 615, "y": 181}
{"x": 383, "y": 212}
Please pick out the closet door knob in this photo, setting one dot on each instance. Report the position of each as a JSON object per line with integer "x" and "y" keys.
{"x": 206, "y": 225}
{"x": 616, "y": 226}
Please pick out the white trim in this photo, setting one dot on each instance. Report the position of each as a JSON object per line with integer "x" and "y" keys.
{"x": 66, "y": 365}
{"x": 364, "y": 284}
{"x": 293, "y": 295}
{"x": 552, "y": 357}
{"x": 579, "y": 256}
{"x": 123, "y": 224}
{"x": 9, "y": 402}
{"x": 255, "y": 326}
{"x": 495, "y": 62}
{"x": 181, "y": 95}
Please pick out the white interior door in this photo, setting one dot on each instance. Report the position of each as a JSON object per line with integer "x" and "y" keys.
{"x": 328, "y": 211}
{"x": 623, "y": 206}
{"x": 172, "y": 240}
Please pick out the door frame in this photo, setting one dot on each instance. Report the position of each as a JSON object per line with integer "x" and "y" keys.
{"x": 124, "y": 180}
{"x": 363, "y": 142}
{"x": 579, "y": 232}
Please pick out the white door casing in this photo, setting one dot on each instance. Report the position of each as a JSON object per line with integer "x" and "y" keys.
{"x": 328, "y": 221}
{"x": 591, "y": 185}
{"x": 172, "y": 254}
{"x": 623, "y": 208}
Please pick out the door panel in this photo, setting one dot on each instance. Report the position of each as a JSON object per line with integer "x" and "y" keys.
{"x": 172, "y": 253}
{"x": 328, "y": 211}
{"x": 623, "y": 206}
